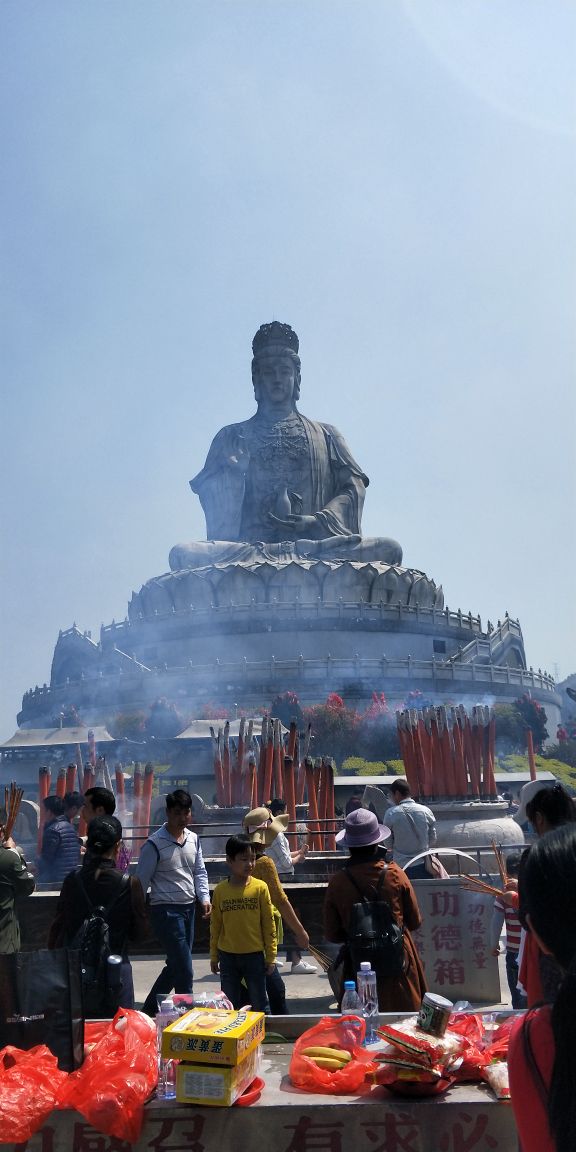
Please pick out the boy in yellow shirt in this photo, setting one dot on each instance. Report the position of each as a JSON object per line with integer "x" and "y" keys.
{"x": 242, "y": 932}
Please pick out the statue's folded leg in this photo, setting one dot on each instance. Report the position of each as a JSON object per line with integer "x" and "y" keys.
{"x": 378, "y": 548}
{"x": 200, "y": 553}
{"x": 375, "y": 548}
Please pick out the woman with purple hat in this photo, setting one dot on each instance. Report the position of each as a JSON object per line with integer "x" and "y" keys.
{"x": 362, "y": 837}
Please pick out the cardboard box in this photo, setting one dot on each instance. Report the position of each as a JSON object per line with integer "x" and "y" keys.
{"x": 215, "y": 1084}
{"x": 213, "y": 1036}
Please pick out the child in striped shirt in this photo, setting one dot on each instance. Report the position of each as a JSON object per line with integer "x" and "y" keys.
{"x": 506, "y": 911}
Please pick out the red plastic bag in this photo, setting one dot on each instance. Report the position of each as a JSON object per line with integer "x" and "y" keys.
{"x": 94, "y": 1030}
{"x": 117, "y": 1077}
{"x": 474, "y": 1057}
{"x": 497, "y": 1048}
{"x": 29, "y": 1085}
{"x": 344, "y": 1032}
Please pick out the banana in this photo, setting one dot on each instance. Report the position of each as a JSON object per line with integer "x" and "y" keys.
{"x": 331, "y": 1065}
{"x": 339, "y": 1054}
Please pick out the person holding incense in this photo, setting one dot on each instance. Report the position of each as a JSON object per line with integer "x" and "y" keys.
{"x": 262, "y": 829}
{"x": 16, "y": 881}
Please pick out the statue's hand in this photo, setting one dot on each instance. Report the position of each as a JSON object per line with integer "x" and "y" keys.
{"x": 303, "y": 527}
{"x": 239, "y": 456}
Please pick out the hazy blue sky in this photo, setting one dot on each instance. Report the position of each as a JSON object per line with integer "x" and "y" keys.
{"x": 396, "y": 180}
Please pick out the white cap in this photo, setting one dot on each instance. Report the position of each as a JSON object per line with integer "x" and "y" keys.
{"x": 166, "y": 1004}
{"x": 365, "y": 966}
{"x": 527, "y": 793}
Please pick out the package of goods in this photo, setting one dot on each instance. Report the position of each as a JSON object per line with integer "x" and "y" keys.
{"x": 416, "y": 1063}
{"x": 496, "y": 1075}
{"x": 408, "y": 1036}
{"x": 213, "y": 1036}
{"x": 215, "y": 1084}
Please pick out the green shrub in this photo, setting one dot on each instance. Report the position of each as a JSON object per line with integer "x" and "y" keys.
{"x": 357, "y": 766}
{"x": 565, "y": 773}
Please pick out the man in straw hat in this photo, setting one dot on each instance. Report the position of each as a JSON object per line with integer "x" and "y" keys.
{"x": 362, "y": 836}
{"x": 262, "y": 828}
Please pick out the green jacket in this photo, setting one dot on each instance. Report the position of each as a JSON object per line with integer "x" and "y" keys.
{"x": 15, "y": 881}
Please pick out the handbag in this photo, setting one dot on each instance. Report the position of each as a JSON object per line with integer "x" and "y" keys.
{"x": 41, "y": 1003}
{"x": 435, "y": 867}
{"x": 432, "y": 864}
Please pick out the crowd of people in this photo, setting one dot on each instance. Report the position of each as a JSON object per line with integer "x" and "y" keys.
{"x": 250, "y": 910}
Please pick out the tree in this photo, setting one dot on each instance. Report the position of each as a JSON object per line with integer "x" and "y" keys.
{"x": 163, "y": 721}
{"x": 533, "y": 716}
{"x": 286, "y": 707}
{"x": 513, "y": 722}
{"x": 377, "y": 737}
{"x": 416, "y": 699}
{"x": 334, "y": 727}
{"x": 565, "y": 752}
{"x": 128, "y": 726}
{"x": 215, "y": 712}
{"x": 510, "y": 731}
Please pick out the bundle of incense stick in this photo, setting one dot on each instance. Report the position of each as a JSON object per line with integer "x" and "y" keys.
{"x": 446, "y": 753}
{"x": 501, "y": 862}
{"x": 218, "y": 776}
{"x": 475, "y": 884}
{"x": 12, "y": 797}
{"x": 323, "y": 960}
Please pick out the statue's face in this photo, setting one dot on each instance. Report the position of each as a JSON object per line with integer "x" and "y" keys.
{"x": 274, "y": 379}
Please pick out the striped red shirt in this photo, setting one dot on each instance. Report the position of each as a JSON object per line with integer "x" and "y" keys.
{"x": 513, "y": 926}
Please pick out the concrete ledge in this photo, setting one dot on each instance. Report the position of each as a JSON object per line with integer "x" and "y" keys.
{"x": 467, "y": 1116}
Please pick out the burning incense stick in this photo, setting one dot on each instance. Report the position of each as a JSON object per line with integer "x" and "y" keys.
{"x": 12, "y": 798}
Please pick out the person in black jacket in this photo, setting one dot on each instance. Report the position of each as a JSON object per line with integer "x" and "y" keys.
{"x": 60, "y": 844}
{"x": 101, "y": 881}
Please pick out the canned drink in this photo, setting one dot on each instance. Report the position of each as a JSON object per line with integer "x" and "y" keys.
{"x": 434, "y": 1014}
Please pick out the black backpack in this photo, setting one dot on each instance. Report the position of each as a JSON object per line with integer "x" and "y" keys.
{"x": 373, "y": 933}
{"x": 92, "y": 941}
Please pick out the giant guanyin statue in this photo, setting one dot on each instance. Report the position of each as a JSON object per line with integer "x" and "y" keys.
{"x": 280, "y": 486}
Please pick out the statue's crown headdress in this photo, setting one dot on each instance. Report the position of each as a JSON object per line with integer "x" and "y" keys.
{"x": 274, "y": 337}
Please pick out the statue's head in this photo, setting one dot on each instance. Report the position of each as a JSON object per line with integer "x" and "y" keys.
{"x": 274, "y": 342}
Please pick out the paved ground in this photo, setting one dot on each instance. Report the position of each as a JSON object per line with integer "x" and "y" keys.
{"x": 306, "y": 994}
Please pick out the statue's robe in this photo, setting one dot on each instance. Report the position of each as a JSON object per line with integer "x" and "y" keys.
{"x": 294, "y": 465}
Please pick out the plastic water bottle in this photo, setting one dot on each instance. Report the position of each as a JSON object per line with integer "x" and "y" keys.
{"x": 351, "y": 1002}
{"x": 166, "y": 1068}
{"x": 368, "y": 994}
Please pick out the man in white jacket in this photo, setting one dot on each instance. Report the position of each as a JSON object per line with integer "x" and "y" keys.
{"x": 413, "y": 828}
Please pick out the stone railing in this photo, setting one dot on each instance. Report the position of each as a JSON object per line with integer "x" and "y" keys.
{"x": 263, "y": 675}
{"x": 486, "y": 644}
{"x": 287, "y": 615}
